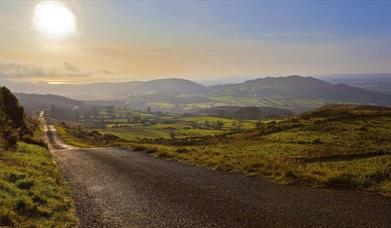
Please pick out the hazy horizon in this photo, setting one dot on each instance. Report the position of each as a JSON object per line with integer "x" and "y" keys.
{"x": 211, "y": 81}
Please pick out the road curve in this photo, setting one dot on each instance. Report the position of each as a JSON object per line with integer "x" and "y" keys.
{"x": 118, "y": 188}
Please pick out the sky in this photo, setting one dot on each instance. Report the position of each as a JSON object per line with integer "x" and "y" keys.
{"x": 199, "y": 40}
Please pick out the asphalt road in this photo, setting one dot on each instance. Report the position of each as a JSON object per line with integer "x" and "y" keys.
{"x": 118, "y": 188}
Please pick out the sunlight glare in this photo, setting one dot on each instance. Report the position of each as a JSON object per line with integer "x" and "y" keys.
{"x": 54, "y": 19}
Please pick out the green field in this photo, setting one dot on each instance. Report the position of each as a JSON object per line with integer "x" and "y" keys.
{"x": 295, "y": 104}
{"x": 179, "y": 127}
{"x": 132, "y": 125}
{"x": 32, "y": 190}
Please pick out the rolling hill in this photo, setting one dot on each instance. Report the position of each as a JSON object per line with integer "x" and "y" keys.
{"x": 34, "y": 103}
{"x": 302, "y": 87}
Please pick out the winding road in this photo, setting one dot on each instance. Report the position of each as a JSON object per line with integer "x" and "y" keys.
{"x": 119, "y": 188}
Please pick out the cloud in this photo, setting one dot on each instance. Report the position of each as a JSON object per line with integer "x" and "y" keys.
{"x": 71, "y": 68}
{"x": 21, "y": 71}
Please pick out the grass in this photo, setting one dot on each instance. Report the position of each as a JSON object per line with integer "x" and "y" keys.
{"x": 228, "y": 123}
{"x": 178, "y": 127}
{"x": 32, "y": 190}
{"x": 79, "y": 137}
{"x": 70, "y": 139}
{"x": 278, "y": 102}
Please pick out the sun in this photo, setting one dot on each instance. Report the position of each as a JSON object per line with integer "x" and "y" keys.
{"x": 54, "y": 19}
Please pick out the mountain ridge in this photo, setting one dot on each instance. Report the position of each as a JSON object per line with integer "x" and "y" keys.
{"x": 179, "y": 92}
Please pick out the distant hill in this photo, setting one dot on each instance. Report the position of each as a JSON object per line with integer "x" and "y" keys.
{"x": 302, "y": 87}
{"x": 379, "y": 82}
{"x": 346, "y": 111}
{"x": 114, "y": 91}
{"x": 246, "y": 113}
{"x": 34, "y": 103}
{"x": 174, "y": 86}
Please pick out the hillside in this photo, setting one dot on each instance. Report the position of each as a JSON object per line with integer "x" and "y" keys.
{"x": 34, "y": 103}
{"x": 302, "y": 87}
{"x": 249, "y": 112}
{"x": 112, "y": 91}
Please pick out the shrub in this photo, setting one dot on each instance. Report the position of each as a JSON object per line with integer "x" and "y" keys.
{"x": 139, "y": 148}
{"x": 341, "y": 181}
{"x": 317, "y": 141}
{"x": 25, "y": 183}
{"x": 36, "y": 141}
{"x": 151, "y": 150}
{"x": 182, "y": 150}
{"x": 6, "y": 218}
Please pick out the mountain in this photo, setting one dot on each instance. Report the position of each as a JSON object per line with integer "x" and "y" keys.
{"x": 302, "y": 87}
{"x": 172, "y": 86}
{"x": 246, "y": 113}
{"x": 114, "y": 91}
{"x": 34, "y": 103}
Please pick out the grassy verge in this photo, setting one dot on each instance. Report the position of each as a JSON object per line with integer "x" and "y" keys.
{"x": 32, "y": 190}
{"x": 76, "y": 137}
{"x": 370, "y": 173}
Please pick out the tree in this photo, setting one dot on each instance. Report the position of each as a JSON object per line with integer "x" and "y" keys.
{"x": 12, "y": 109}
{"x": 172, "y": 134}
{"x": 258, "y": 124}
{"x": 219, "y": 124}
{"x": 206, "y": 124}
{"x": 221, "y": 113}
{"x": 110, "y": 111}
{"x": 87, "y": 115}
{"x": 12, "y": 119}
{"x": 137, "y": 118}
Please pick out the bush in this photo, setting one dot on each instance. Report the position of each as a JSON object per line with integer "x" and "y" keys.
{"x": 139, "y": 148}
{"x": 25, "y": 183}
{"x": 341, "y": 181}
{"x": 317, "y": 141}
{"x": 182, "y": 150}
{"x": 151, "y": 150}
{"x": 36, "y": 141}
{"x": 6, "y": 218}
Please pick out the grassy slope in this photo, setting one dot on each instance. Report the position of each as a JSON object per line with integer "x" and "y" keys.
{"x": 32, "y": 190}
{"x": 72, "y": 140}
